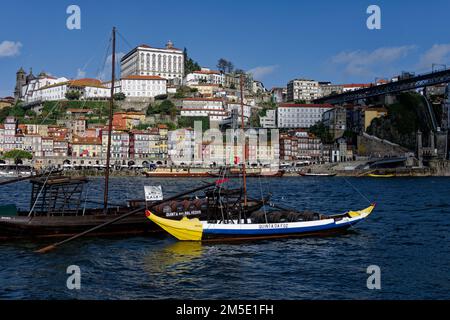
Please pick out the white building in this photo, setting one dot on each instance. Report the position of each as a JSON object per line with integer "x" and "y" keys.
{"x": 88, "y": 89}
{"x": 205, "y": 75}
{"x": 182, "y": 147}
{"x": 204, "y": 107}
{"x": 31, "y": 90}
{"x": 354, "y": 87}
{"x": 237, "y": 106}
{"x": 147, "y": 61}
{"x": 300, "y": 115}
{"x": 269, "y": 121}
{"x": 140, "y": 86}
{"x": 302, "y": 89}
{"x": 258, "y": 87}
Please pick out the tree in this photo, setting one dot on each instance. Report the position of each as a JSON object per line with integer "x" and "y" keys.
{"x": 73, "y": 95}
{"x": 120, "y": 96}
{"x": 17, "y": 111}
{"x": 230, "y": 67}
{"x": 17, "y": 155}
{"x": 165, "y": 108}
{"x": 322, "y": 132}
{"x": 222, "y": 65}
{"x": 189, "y": 64}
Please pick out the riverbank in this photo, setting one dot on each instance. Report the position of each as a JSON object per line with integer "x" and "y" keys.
{"x": 347, "y": 169}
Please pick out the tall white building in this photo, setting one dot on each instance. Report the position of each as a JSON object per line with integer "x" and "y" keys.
{"x": 302, "y": 89}
{"x": 300, "y": 115}
{"x": 148, "y": 61}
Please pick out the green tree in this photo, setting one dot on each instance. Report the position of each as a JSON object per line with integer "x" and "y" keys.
{"x": 322, "y": 132}
{"x": 17, "y": 111}
{"x": 189, "y": 64}
{"x": 222, "y": 65}
{"x": 17, "y": 155}
{"x": 120, "y": 96}
{"x": 73, "y": 95}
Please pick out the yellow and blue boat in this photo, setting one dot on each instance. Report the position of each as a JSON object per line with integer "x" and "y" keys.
{"x": 278, "y": 224}
{"x": 374, "y": 175}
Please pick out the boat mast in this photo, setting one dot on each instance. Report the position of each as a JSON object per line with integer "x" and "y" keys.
{"x": 111, "y": 106}
{"x": 244, "y": 173}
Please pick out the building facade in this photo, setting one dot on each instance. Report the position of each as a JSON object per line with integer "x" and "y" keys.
{"x": 300, "y": 115}
{"x": 302, "y": 89}
{"x": 144, "y": 60}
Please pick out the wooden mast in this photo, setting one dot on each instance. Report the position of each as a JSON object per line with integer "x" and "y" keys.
{"x": 111, "y": 106}
{"x": 244, "y": 173}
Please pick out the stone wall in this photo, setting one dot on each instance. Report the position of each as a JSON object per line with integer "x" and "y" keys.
{"x": 371, "y": 146}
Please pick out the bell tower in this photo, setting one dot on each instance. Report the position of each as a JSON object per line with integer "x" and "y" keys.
{"x": 20, "y": 82}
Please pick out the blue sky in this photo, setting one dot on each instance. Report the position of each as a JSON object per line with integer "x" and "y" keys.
{"x": 278, "y": 40}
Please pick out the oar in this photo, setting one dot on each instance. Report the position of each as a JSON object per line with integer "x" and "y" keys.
{"x": 58, "y": 244}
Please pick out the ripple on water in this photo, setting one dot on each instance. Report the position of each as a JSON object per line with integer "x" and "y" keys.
{"x": 407, "y": 237}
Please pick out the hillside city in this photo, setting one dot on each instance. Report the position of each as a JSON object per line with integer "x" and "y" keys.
{"x": 63, "y": 122}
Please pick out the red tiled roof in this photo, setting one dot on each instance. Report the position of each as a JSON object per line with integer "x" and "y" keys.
{"x": 206, "y": 72}
{"x": 86, "y": 82}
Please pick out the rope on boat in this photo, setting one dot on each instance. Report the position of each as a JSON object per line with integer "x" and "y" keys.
{"x": 40, "y": 191}
{"x": 360, "y": 193}
{"x": 262, "y": 198}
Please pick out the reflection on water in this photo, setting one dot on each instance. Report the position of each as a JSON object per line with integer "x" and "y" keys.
{"x": 171, "y": 256}
{"x": 405, "y": 236}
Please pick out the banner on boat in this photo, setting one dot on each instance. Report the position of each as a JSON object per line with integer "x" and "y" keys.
{"x": 153, "y": 193}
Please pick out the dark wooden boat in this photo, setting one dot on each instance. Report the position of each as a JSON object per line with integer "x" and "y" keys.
{"x": 176, "y": 174}
{"x": 58, "y": 209}
{"x": 238, "y": 174}
{"x": 310, "y": 174}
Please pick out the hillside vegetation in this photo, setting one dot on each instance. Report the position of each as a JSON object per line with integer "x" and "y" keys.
{"x": 402, "y": 122}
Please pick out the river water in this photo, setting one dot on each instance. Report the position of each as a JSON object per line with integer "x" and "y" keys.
{"x": 407, "y": 237}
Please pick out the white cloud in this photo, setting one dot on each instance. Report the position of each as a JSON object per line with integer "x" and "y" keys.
{"x": 9, "y": 48}
{"x": 439, "y": 53}
{"x": 363, "y": 63}
{"x": 262, "y": 71}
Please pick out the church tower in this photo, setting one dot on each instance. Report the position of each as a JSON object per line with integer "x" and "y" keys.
{"x": 20, "y": 82}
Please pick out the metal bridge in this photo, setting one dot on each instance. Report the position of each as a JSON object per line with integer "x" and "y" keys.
{"x": 420, "y": 81}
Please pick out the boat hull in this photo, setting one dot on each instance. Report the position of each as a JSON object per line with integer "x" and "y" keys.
{"x": 41, "y": 226}
{"x": 278, "y": 174}
{"x": 23, "y": 227}
{"x": 317, "y": 174}
{"x": 196, "y": 230}
{"x": 177, "y": 174}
